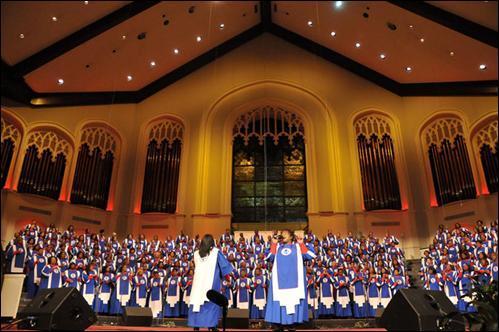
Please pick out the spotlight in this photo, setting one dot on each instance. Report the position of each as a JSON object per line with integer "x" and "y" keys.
{"x": 382, "y": 56}
{"x": 310, "y": 23}
{"x": 421, "y": 40}
{"x": 483, "y": 66}
{"x": 357, "y": 44}
{"x": 176, "y": 51}
{"x": 123, "y": 37}
{"x": 85, "y": 2}
{"x": 333, "y": 34}
{"x": 338, "y": 4}
{"x": 54, "y": 18}
{"x": 60, "y": 81}
{"x": 451, "y": 53}
{"x": 129, "y": 78}
{"x": 198, "y": 39}
{"x": 408, "y": 69}
{"x": 21, "y": 35}
{"x": 152, "y": 64}
{"x": 221, "y": 26}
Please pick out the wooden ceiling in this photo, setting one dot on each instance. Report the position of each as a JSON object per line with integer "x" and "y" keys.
{"x": 122, "y": 51}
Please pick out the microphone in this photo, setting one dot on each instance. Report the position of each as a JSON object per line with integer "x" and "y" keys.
{"x": 217, "y": 298}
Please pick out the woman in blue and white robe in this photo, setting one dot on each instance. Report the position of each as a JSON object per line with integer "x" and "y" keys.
{"x": 357, "y": 282}
{"x": 17, "y": 255}
{"x": 227, "y": 290}
{"x": 342, "y": 284}
{"x": 243, "y": 293}
{"x": 373, "y": 294}
{"x": 121, "y": 296}
{"x": 465, "y": 286}
{"x": 326, "y": 294}
{"x": 287, "y": 296}
{"x": 172, "y": 299}
{"x": 103, "y": 298}
{"x": 51, "y": 275}
{"x": 72, "y": 277}
{"x": 156, "y": 294}
{"x": 90, "y": 282}
{"x": 211, "y": 268}
{"x": 257, "y": 310}
{"x": 385, "y": 292}
{"x": 450, "y": 278}
{"x": 141, "y": 286}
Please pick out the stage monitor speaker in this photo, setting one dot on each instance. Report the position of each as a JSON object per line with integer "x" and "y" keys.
{"x": 137, "y": 316}
{"x": 57, "y": 309}
{"x": 238, "y": 318}
{"x": 421, "y": 310}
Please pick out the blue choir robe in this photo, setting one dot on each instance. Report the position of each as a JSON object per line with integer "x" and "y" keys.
{"x": 72, "y": 278}
{"x": 31, "y": 285}
{"x": 357, "y": 283}
{"x": 64, "y": 263}
{"x": 326, "y": 295}
{"x": 121, "y": 294}
{"x": 385, "y": 292}
{"x": 17, "y": 255}
{"x": 243, "y": 286}
{"x": 287, "y": 303}
{"x": 102, "y": 301}
{"x": 257, "y": 310}
{"x": 40, "y": 262}
{"x": 172, "y": 300}
{"x": 186, "y": 294}
{"x": 156, "y": 297}
{"x": 226, "y": 289}
{"x": 450, "y": 289}
{"x": 484, "y": 276}
{"x": 90, "y": 281}
{"x": 397, "y": 283}
{"x": 433, "y": 282}
{"x": 208, "y": 313}
{"x": 51, "y": 277}
{"x": 133, "y": 261}
{"x": 343, "y": 307}
{"x": 140, "y": 284}
{"x": 493, "y": 269}
{"x": 465, "y": 286}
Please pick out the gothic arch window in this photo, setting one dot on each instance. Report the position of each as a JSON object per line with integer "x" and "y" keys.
{"x": 445, "y": 144}
{"x": 268, "y": 168}
{"x": 42, "y": 173}
{"x": 162, "y": 167}
{"x": 94, "y": 167}
{"x": 380, "y": 186}
{"x": 485, "y": 142}
{"x": 10, "y": 141}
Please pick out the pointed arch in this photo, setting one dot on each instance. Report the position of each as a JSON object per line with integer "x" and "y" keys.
{"x": 484, "y": 138}
{"x": 13, "y": 130}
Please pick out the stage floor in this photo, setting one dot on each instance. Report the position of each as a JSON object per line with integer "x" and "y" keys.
{"x": 159, "y": 328}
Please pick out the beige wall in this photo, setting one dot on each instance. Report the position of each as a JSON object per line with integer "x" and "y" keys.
{"x": 265, "y": 71}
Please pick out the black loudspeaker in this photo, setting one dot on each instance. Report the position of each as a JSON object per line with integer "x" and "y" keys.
{"x": 421, "y": 310}
{"x": 57, "y": 309}
{"x": 137, "y": 316}
{"x": 238, "y": 318}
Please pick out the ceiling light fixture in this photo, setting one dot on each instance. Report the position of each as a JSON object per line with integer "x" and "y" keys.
{"x": 54, "y": 18}
{"x": 357, "y": 44}
{"x": 338, "y": 4}
{"x": 408, "y": 69}
{"x": 129, "y": 78}
{"x": 451, "y": 53}
{"x": 421, "y": 40}
{"x": 483, "y": 66}
{"x": 310, "y": 23}
{"x": 123, "y": 37}
{"x": 176, "y": 51}
{"x": 152, "y": 64}
{"x": 333, "y": 33}
{"x": 85, "y": 2}
{"x": 198, "y": 39}
{"x": 382, "y": 56}
{"x": 221, "y": 26}
{"x": 411, "y": 26}
{"x": 60, "y": 81}
{"x": 21, "y": 35}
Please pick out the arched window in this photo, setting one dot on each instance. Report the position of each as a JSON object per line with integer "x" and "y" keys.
{"x": 44, "y": 164}
{"x": 269, "y": 173}
{"x": 94, "y": 167}
{"x": 486, "y": 143}
{"x": 380, "y": 185}
{"x": 162, "y": 167}
{"x": 11, "y": 138}
{"x": 450, "y": 164}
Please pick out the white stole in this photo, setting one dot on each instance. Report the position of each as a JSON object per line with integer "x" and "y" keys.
{"x": 204, "y": 274}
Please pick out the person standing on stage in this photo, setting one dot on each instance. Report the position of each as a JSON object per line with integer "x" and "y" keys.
{"x": 287, "y": 296}
{"x": 210, "y": 268}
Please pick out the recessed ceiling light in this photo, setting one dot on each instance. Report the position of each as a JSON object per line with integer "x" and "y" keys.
{"x": 221, "y": 26}
{"x": 421, "y": 40}
{"x": 85, "y": 2}
{"x": 123, "y": 37}
{"x": 54, "y": 18}
{"x": 198, "y": 39}
{"x": 357, "y": 44}
{"x": 483, "y": 66}
{"x": 21, "y": 35}
{"x": 408, "y": 69}
{"x": 451, "y": 53}
{"x": 338, "y": 4}
{"x": 129, "y": 78}
{"x": 176, "y": 51}
{"x": 152, "y": 63}
{"x": 333, "y": 33}
{"x": 382, "y": 56}
{"x": 310, "y": 23}
{"x": 60, "y": 81}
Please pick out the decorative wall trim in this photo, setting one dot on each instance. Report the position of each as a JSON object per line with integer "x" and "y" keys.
{"x": 35, "y": 210}
{"x": 86, "y": 220}
{"x": 155, "y": 226}
{"x": 385, "y": 223}
{"x": 460, "y": 215}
